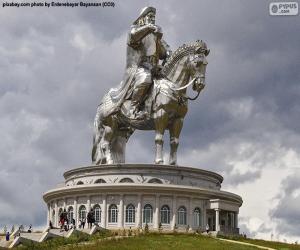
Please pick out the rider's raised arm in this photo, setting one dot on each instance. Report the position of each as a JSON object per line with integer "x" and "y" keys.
{"x": 164, "y": 51}
{"x": 138, "y": 33}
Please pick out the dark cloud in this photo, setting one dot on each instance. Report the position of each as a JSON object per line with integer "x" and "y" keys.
{"x": 287, "y": 211}
{"x": 57, "y": 63}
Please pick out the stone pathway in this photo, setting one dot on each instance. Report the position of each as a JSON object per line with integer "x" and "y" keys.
{"x": 245, "y": 243}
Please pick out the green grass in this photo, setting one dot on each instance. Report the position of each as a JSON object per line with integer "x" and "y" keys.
{"x": 165, "y": 242}
{"x": 142, "y": 242}
{"x": 151, "y": 241}
{"x": 271, "y": 244}
{"x": 55, "y": 243}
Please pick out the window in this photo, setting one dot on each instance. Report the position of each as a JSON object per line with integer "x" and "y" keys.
{"x": 79, "y": 183}
{"x": 70, "y": 214}
{"x": 97, "y": 213}
{"x": 100, "y": 181}
{"x": 182, "y": 216}
{"x": 197, "y": 217}
{"x": 82, "y": 212}
{"x": 113, "y": 214}
{"x": 147, "y": 214}
{"x": 126, "y": 180}
{"x": 130, "y": 214}
{"x": 165, "y": 215}
{"x": 155, "y": 180}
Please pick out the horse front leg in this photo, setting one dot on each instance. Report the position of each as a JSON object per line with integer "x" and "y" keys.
{"x": 175, "y": 130}
{"x": 106, "y": 144}
{"x": 161, "y": 121}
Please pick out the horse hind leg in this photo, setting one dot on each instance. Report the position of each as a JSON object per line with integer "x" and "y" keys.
{"x": 175, "y": 130}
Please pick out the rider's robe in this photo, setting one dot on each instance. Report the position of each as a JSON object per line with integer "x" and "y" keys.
{"x": 138, "y": 47}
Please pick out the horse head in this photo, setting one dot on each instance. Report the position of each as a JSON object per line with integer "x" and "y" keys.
{"x": 198, "y": 63}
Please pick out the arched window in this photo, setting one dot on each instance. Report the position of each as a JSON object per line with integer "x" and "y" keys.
{"x": 181, "y": 216}
{"x": 70, "y": 214}
{"x": 130, "y": 214}
{"x": 155, "y": 180}
{"x": 79, "y": 183}
{"x": 112, "y": 214}
{"x": 97, "y": 213}
{"x": 126, "y": 180}
{"x": 82, "y": 213}
{"x": 197, "y": 217}
{"x": 147, "y": 214}
{"x": 165, "y": 215}
{"x": 100, "y": 181}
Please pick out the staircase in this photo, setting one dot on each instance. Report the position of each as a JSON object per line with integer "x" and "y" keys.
{"x": 47, "y": 234}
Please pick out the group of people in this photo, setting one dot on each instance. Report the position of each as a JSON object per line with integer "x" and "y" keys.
{"x": 90, "y": 219}
{"x": 66, "y": 224}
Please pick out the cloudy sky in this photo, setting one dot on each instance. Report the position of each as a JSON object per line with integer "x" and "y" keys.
{"x": 57, "y": 63}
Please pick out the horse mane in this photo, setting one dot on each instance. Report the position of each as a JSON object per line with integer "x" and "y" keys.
{"x": 182, "y": 51}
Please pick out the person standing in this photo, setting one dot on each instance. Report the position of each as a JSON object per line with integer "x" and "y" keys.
{"x": 7, "y": 236}
{"x": 207, "y": 228}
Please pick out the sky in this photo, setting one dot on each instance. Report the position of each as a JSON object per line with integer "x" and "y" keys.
{"x": 57, "y": 63}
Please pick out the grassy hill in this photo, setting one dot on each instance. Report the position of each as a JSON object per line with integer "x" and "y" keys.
{"x": 152, "y": 241}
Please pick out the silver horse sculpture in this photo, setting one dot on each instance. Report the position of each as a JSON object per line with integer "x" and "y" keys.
{"x": 166, "y": 104}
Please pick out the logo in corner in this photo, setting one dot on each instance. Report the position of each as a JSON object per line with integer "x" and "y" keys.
{"x": 283, "y": 8}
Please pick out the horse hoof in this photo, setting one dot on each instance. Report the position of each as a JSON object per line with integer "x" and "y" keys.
{"x": 110, "y": 162}
{"x": 173, "y": 163}
{"x": 159, "y": 161}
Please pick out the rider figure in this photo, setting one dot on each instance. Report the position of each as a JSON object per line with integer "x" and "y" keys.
{"x": 145, "y": 49}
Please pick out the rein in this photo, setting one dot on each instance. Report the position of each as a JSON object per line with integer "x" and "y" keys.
{"x": 185, "y": 86}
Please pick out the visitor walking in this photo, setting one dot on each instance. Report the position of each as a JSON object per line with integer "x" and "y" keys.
{"x": 207, "y": 228}
{"x": 73, "y": 223}
{"x": 29, "y": 229}
{"x": 90, "y": 219}
{"x": 7, "y": 236}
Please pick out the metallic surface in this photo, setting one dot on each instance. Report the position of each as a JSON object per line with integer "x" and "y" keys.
{"x": 151, "y": 96}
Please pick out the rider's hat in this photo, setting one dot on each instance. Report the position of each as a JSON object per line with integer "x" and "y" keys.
{"x": 144, "y": 12}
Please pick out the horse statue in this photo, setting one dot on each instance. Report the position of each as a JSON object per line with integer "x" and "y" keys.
{"x": 166, "y": 106}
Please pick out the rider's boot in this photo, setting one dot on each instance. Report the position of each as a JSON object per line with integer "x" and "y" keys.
{"x": 136, "y": 100}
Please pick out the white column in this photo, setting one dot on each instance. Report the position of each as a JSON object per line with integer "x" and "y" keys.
{"x": 217, "y": 219}
{"x": 56, "y": 214}
{"x": 236, "y": 222}
{"x": 65, "y": 204}
{"x": 204, "y": 215}
{"x": 104, "y": 212}
{"x": 139, "y": 212}
{"x": 156, "y": 219}
{"x": 75, "y": 216}
{"x": 190, "y": 213}
{"x": 121, "y": 213}
{"x": 174, "y": 212}
{"x": 88, "y": 204}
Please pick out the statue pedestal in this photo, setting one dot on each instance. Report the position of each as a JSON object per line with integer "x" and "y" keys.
{"x": 133, "y": 195}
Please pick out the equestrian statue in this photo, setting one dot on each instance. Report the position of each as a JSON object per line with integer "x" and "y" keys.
{"x": 152, "y": 95}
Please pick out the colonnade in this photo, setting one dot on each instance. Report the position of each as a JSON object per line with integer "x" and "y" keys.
{"x": 138, "y": 220}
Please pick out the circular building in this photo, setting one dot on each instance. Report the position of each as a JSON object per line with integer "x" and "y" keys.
{"x": 133, "y": 195}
